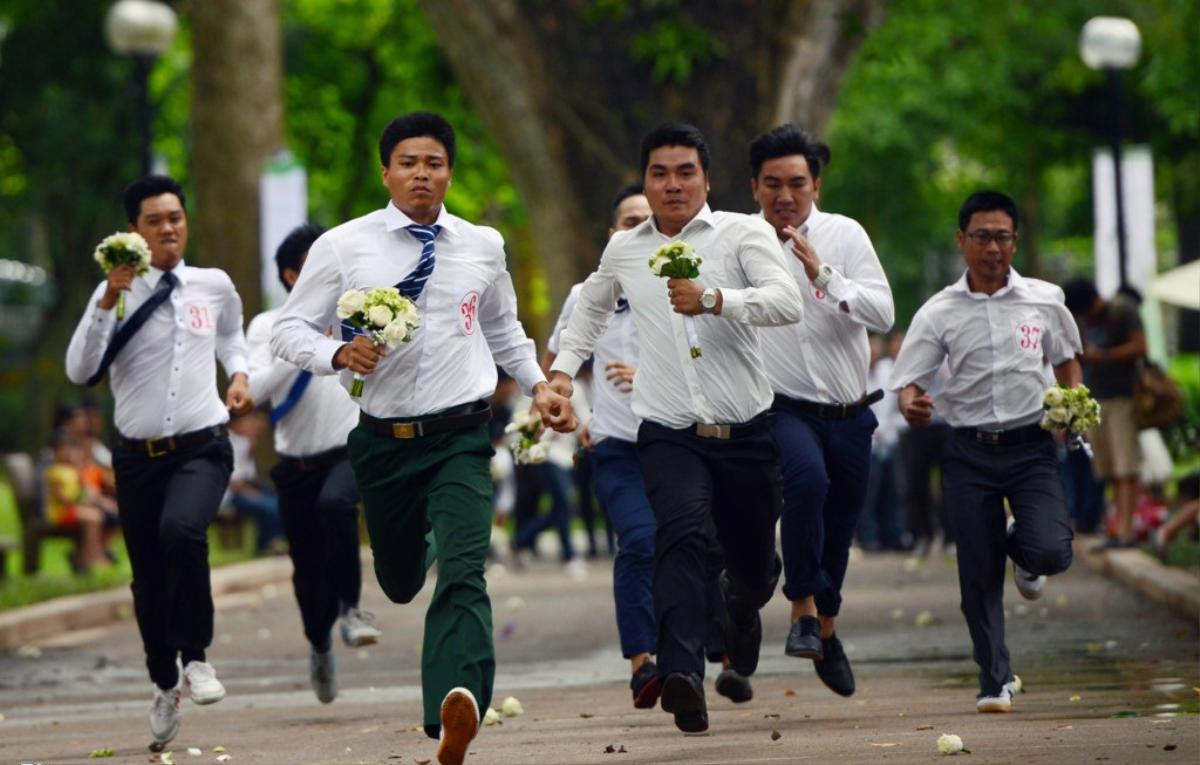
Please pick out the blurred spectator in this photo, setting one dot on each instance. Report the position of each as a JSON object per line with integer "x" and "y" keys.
{"x": 70, "y": 504}
{"x": 100, "y": 454}
{"x": 1114, "y": 341}
{"x": 1185, "y": 518}
{"x": 503, "y": 470}
{"x": 248, "y": 494}
{"x": 880, "y": 526}
{"x": 920, "y": 454}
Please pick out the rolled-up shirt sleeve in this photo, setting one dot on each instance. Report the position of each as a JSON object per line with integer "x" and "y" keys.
{"x": 90, "y": 339}
{"x": 231, "y": 340}
{"x": 510, "y": 346}
{"x": 864, "y": 288}
{"x": 774, "y": 299}
{"x": 589, "y": 318}
{"x": 298, "y": 336}
{"x": 920, "y": 355}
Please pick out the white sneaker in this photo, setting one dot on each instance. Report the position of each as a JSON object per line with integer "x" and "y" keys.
{"x": 460, "y": 723}
{"x": 358, "y": 628}
{"x": 1001, "y": 702}
{"x": 1028, "y": 585}
{"x": 202, "y": 683}
{"x": 323, "y": 673}
{"x": 575, "y": 569}
{"x": 164, "y": 716}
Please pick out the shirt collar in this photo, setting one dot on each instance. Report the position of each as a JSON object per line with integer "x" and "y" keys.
{"x": 154, "y": 274}
{"x": 394, "y": 218}
{"x": 704, "y": 216}
{"x": 1015, "y": 283}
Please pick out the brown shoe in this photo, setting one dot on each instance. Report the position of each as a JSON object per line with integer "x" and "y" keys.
{"x": 460, "y": 723}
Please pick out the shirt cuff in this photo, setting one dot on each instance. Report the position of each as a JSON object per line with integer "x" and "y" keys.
{"x": 839, "y": 288}
{"x": 529, "y": 375}
{"x": 235, "y": 364}
{"x": 322, "y": 359}
{"x": 733, "y": 304}
{"x": 568, "y": 362}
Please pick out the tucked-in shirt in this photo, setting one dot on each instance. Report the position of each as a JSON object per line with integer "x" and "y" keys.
{"x": 727, "y": 384}
{"x": 468, "y": 313}
{"x": 994, "y": 345}
{"x": 324, "y": 414}
{"x": 165, "y": 380}
{"x": 826, "y": 359}
{"x": 612, "y": 407}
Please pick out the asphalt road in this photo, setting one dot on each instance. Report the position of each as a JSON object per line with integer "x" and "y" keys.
{"x": 1108, "y": 678}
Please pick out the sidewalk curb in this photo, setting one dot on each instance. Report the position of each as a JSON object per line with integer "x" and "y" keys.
{"x": 1175, "y": 588}
{"x": 95, "y": 609}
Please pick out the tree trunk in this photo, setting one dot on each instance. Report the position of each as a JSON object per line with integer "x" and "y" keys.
{"x": 237, "y": 114}
{"x": 569, "y": 92}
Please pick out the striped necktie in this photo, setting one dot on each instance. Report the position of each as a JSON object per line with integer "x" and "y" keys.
{"x": 415, "y": 282}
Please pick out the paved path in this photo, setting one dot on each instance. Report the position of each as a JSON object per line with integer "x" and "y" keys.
{"x": 1132, "y": 665}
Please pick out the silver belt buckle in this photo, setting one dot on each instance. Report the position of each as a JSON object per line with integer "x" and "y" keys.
{"x": 988, "y": 436}
{"x": 707, "y": 430}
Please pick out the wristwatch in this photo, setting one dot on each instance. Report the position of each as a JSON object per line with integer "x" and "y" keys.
{"x": 824, "y": 274}
{"x": 708, "y": 300}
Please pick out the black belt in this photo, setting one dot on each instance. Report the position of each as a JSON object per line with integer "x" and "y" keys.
{"x": 159, "y": 447}
{"x": 826, "y": 411}
{"x": 1026, "y": 434}
{"x": 315, "y": 461}
{"x": 455, "y": 418}
{"x": 759, "y": 424}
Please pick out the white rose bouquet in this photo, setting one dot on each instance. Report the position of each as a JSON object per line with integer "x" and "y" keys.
{"x": 124, "y": 248}
{"x": 524, "y": 441}
{"x": 1071, "y": 410}
{"x": 678, "y": 260}
{"x": 384, "y": 315}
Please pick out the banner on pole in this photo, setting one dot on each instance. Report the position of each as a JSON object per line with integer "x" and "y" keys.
{"x": 1137, "y": 178}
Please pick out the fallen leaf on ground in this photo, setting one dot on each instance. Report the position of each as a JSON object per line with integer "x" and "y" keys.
{"x": 897, "y": 613}
{"x": 105, "y": 752}
{"x": 776, "y": 735}
{"x": 515, "y": 602}
{"x": 1064, "y": 727}
{"x": 167, "y": 758}
{"x": 1170, "y": 747}
{"x": 771, "y": 716}
{"x": 1076, "y": 697}
{"x": 610, "y": 749}
{"x": 586, "y": 715}
{"x": 219, "y": 749}
{"x": 924, "y": 727}
{"x": 886, "y": 744}
{"x": 1017, "y": 685}
{"x": 790, "y": 692}
{"x": 925, "y": 619}
{"x": 1061, "y": 600}
{"x": 194, "y": 751}
{"x": 621, "y": 749}
{"x": 29, "y": 652}
{"x": 223, "y": 758}
{"x": 422, "y": 762}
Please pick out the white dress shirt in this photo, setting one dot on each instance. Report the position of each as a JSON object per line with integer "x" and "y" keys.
{"x": 468, "y": 313}
{"x": 612, "y": 408}
{"x": 322, "y": 418}
{"x": 728, "y": 383}
{"x": 826, "y": 359}
{"x": 165, "y": 380}
{"x": 994, "y": 346}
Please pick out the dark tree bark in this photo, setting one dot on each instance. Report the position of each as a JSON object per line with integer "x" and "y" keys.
{"x": 569, "y": 95}
{"x": 237, "y": 113}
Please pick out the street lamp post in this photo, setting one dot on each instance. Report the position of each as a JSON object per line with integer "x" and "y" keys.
{"x": 143, "y": 29}
{"x": 1113, "y": 45}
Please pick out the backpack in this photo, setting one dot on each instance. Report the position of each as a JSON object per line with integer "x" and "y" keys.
{"x": 1157, "y": 400}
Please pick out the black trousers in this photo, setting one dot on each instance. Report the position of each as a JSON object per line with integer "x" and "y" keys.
{"x": 695, "y": 486}
{"x": 977, "y": 478}
{"x": 319, "y": 509}
{"x": 166, "y": 504}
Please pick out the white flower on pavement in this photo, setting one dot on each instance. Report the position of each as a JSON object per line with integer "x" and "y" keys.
{"x": 511, "y": 707}
{"x": 491, "y": 717}
{"x": 948, "y": 743}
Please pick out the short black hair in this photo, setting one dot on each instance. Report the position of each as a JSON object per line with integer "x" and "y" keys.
{"x": 674, "y": 134}
{"x": 986, "y": 201}
{"x": 413, "y": 125}
{"x": 146, "y": 187}
{"x": 784, "y": 141}
{"x": 1079, "y": 295}
{"x": 291, "y": 251}
{"x": 628, "y": 190}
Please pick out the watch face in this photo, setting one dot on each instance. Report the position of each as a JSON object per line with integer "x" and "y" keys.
{"x": 708, "y": 299}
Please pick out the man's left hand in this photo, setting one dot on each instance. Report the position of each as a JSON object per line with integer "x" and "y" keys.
{"x": 555, "y": 409}
{"x": 804, "y": 252}
{"x": 237, "y": 398}
{"x": 685, "y": 296}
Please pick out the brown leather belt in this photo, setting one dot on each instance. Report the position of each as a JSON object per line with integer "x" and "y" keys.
{"x": 315, "y": 461}
{"x": 160, "y": 447}
{"x": 455, "y": 418}
{"x": 1026, "y": 434}
{"x": 826, "y": 411}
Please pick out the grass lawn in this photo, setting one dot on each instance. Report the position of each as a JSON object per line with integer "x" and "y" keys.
{"x": 56, "y": 578}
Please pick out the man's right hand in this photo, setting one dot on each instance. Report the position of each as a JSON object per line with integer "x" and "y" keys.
{"x": 360, "y": 355}
{"x": 620, "y": 375}
{"x": 119, "y": 279}
{"x": 916, "y": 406}
{"x": 560, "y": 383}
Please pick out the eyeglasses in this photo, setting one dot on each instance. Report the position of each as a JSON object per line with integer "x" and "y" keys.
{"x": 983, "y": 238}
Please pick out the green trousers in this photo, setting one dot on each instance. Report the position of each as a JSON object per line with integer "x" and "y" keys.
{"x": 430, "y": 499}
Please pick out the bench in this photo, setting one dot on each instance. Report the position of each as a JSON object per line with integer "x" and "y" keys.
{"x": 24, "y": 479}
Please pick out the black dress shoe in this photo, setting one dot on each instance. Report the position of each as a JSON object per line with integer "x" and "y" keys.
{"x": 646, "y": 685}
{"x": 834, "y": 668}
{"x": 683, "y": 696}
{"x": 734, "y": 687}
{"x": 804, "y": 639}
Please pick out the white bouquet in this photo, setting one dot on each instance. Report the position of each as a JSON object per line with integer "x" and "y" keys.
{"x": 524, "y": 441}
{"x": 384, "y": 315}
{"x": 124, "y": 248}
{"x": 678, "y": 260}
{"x": 1071, "y": 410}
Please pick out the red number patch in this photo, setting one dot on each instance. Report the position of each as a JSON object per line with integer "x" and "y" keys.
{"x": 466, "y": 313}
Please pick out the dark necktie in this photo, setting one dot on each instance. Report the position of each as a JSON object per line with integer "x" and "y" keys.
{"x": 123, "y": 335}
{"x": 622, "y": 305}
{"x": 293, "y": 396}
{"x": 411, "y": 285}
